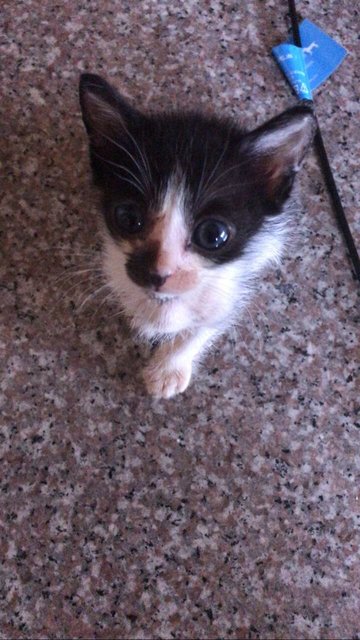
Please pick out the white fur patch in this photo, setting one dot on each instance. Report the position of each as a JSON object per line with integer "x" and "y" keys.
{"x": 265, "y": 247}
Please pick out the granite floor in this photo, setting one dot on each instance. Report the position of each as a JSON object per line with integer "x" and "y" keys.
{"x": 232, "y": 511}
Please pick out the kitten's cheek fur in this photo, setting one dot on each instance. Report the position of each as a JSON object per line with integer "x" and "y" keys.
{"x": 181, "y": 282}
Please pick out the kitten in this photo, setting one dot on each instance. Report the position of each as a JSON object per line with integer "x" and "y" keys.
{"x": 194, "y": 208}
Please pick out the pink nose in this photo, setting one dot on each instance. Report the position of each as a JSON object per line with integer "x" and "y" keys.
{"x": 157, "y": 280}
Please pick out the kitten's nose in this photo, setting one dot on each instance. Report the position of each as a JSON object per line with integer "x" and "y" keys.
{"x": 157, "y": 280}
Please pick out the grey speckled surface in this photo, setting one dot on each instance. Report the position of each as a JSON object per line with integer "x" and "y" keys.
{"x": 232, "y": 511}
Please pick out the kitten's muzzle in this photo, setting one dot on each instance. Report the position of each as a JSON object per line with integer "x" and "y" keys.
{"x": 152, "y": 280}
{"x": 142, "y": 269}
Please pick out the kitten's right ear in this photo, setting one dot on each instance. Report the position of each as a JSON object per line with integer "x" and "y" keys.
{"x": 105, "y": 112}
{"x": 277, "y": 150}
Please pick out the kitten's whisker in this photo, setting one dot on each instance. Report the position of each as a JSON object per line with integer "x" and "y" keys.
{"x": 120, "y": 146}
{"x": 84, "y": 294}
{"x": 200, "y": 185}
{"x": 221, "y": 176}
{"x": 248, "y": 312}
{"x": 100, "y": 303}
{"x": 119, "y": 313}
{"x": 242, "y": 183}
{"x": 140, "y": 186}
{"x": 64, "y": 294}
{"x": 65, "y": 290}
{"x": 143, "y": 157}
{"x": 69, "y": 273}
{"x": 226, "y": 146}
{"x": 78, "y": 276}
{"x": 130, "y": 182}
{"x": 97, "y": 311}
{"x": 68, "y": 293}
{"x": 118, "y": 166}
{"x": 86, "y": 259}
{"x": 226, "y": 188}
{"x": 76, "y": 280}
{"x": 212, "y": 195}
{"x": 70, "y": 252}
{"x": 88, "y": 251}
{"x": 92, "y": 295}
{"x": 109, "y": 296}
{"x": 232, "y": 168}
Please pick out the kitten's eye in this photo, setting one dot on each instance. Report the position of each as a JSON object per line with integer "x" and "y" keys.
{"x": 128, "y": 218}
{"x": 211, "y": 234}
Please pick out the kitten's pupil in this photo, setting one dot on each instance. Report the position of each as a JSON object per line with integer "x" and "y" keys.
{"x": 211, "y": 235}
{"x": 128, "y": 219}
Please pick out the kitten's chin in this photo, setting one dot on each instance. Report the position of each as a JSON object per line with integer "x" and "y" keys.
{"x": 158, "y": 314}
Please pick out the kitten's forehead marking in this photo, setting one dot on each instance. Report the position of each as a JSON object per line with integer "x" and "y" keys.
{"x": 170, "y": 230}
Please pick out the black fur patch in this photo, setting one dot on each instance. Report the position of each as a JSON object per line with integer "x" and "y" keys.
{"x": 141, "y": 267}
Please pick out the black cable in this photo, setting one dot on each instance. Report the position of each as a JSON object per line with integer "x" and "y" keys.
{"x": 325, "y": 166}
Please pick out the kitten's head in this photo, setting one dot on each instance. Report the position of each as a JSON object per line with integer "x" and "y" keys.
{"x": 184, "y": 193}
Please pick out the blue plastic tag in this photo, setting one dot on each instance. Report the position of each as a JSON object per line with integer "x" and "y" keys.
{"x": 292, "y": 62}
{"x": 308, "y": 67}
{"x": 322, "y": 54}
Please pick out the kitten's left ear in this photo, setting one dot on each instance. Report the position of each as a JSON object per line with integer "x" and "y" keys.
{"x": 105, "y": 112}
{"x": 277, "y": 149}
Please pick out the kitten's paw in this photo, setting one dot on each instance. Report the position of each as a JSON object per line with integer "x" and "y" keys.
{"x": 166, "y": 380}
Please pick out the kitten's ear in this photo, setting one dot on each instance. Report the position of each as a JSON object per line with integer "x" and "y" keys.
{"x": 277, "y": 149}
{"x": 104, "y": 110}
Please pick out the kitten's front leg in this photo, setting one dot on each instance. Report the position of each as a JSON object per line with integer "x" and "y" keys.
{"x": 169, "y": 370}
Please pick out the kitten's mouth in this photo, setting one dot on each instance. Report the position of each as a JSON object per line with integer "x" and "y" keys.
{"x": 161, "y": 298}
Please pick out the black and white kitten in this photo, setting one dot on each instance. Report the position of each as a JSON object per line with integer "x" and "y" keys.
{"x": 194, "y": 209}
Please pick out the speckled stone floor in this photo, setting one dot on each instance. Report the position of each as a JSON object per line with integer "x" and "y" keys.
{"x": 232, "y": 511}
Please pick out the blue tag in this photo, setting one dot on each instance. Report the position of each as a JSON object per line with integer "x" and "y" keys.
{"x": 291, "y": 60}
{"x": 322, "y": 54}
{"x": 308, "y": 67}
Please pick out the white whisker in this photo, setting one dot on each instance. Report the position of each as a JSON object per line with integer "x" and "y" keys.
{"x": 143, "y": 158}
{"x": 68, "y": 274}
{"x": 225, "y": 148}
{"x": 120, "y": 146}
{"x": 200, "y": 185}
{"x": 92, "y": 295}
{"x": 130, "y": 182}
{"x": 139, "y": 185}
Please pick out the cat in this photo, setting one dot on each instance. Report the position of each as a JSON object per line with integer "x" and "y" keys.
{"x": 194, "y": 209}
